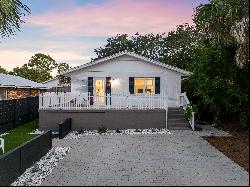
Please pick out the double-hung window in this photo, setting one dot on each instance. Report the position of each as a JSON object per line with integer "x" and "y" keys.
{"x": 144, "y": 86}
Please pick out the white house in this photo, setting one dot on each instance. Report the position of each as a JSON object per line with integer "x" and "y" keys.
{"x": 128, "y": 73}
{"x": 122, "y": 91}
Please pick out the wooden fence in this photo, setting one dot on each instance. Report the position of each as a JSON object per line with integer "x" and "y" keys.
{"x": 17, "y": 112}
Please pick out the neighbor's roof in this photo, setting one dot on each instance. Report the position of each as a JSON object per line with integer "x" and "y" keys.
{"x": 51, "y": 80}
{"x": 132, "y": 55}
{"x": 11, "y": 81}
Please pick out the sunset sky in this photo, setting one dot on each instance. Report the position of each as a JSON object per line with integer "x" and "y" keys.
{"x": 69, "y": 30}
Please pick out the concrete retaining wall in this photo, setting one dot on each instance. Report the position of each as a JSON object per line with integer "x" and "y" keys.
{"x": 112, "y": 119}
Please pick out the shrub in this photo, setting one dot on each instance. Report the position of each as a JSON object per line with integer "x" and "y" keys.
{"x": 188, "y": 112}
{"x": 118, "y": 131}
{"x": 81, "y": 131}
{"x": 35, "y": 168}
{"x": 102, "y": 129}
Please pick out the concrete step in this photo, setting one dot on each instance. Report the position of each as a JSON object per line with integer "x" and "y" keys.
{"x": 175, "y": 109}
{"x": 179, "y": 128}
{"x": 178, "y": 125}
{"x": 170, "y": 113}
{"x": 176, "y": 114}
{"x": 177, "y": 120}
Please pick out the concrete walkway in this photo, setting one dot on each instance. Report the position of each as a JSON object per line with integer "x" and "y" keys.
{"x": 182, "y": 158}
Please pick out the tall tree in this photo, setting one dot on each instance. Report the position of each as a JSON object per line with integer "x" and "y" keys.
{"x": 11, "y": 13}
{"x": 62, "y": 67}
{"x": 220, "y": 82}
{"x": 169, "y": 48}
{"x": 2, "y": 70}
{"x": 226, "y": 22}
{"x": 38, "y": 69}
{"x": 214, "y": 81}
{"x": 31, "y": 73}
{"x": 179, "y": 45}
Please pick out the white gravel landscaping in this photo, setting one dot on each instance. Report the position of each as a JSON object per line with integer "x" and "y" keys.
{"x": 35, "y": 175}
{"x": 39, "y": 132}
{"x": 36, "y": 132}
{"x": 76, "y": 134}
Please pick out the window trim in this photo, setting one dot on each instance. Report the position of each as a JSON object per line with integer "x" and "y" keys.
{"x": 145, "y": 84}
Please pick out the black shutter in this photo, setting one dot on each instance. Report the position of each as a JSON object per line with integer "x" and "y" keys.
{"x": 108, "y": 88}
{"x": 131, "y": 85}
{"x": 91, "y": 89}
{"x": 108, "y": 85}
{"x": 157, "y": 85}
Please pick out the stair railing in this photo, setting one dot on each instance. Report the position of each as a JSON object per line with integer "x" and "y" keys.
{"x": 184, "y": 102}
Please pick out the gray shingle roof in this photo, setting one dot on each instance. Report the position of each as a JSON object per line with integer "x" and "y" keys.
{"x": 18, "y": 82}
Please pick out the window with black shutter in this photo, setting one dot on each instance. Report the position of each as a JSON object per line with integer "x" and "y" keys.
{"x": 108, "y": 85}
{"x": 131, "y": 85}
{"x": 108, "y": 88}
{"x": 157, "y": 85}
{"x": 144, "y": 85}
{"x": 91, "y": 88}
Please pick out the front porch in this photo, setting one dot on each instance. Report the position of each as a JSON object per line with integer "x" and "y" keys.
{"x": 87, "y": 101}
{"x": 115, "y": 111}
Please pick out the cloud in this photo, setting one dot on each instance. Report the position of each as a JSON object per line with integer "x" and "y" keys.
{"x": 49, "y": 44}
{"x": 13, "y": 59}
{"x": 115, "y": 17}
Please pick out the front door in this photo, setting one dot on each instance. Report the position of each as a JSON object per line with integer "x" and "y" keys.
{"x": 99, "y": 91}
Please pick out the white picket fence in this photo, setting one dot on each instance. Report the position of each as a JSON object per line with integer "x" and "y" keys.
{"x": 72, "y": 101}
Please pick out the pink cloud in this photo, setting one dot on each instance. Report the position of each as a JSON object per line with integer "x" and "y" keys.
{"x": 115, "y": 17}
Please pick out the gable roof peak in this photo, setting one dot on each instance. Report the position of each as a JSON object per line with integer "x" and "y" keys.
{"x": 132, "y": 54}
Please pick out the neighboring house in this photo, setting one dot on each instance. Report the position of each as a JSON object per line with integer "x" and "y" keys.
{"x": 54, "y": 85}
{"x": 122, "y": 91}
{"x": 15, "y": 87}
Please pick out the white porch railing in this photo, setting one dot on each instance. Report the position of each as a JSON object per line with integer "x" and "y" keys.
{"x": 84, "y": 101}
{"x": 66, "y": 101}
{"x": 184, "y": 102}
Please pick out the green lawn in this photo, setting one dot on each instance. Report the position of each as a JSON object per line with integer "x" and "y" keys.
{"x": 19, "y": 135}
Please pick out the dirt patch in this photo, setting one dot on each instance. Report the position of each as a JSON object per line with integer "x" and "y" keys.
{"x": 235, "y": 147}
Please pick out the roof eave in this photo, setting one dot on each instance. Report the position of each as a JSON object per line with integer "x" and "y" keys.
{"x": 167, "y": 66}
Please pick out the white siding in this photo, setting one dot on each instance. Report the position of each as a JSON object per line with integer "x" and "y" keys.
{"x": 124, "y": 67}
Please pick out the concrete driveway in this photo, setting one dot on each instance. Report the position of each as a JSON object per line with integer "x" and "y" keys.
{"x": 182, "y": 158}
